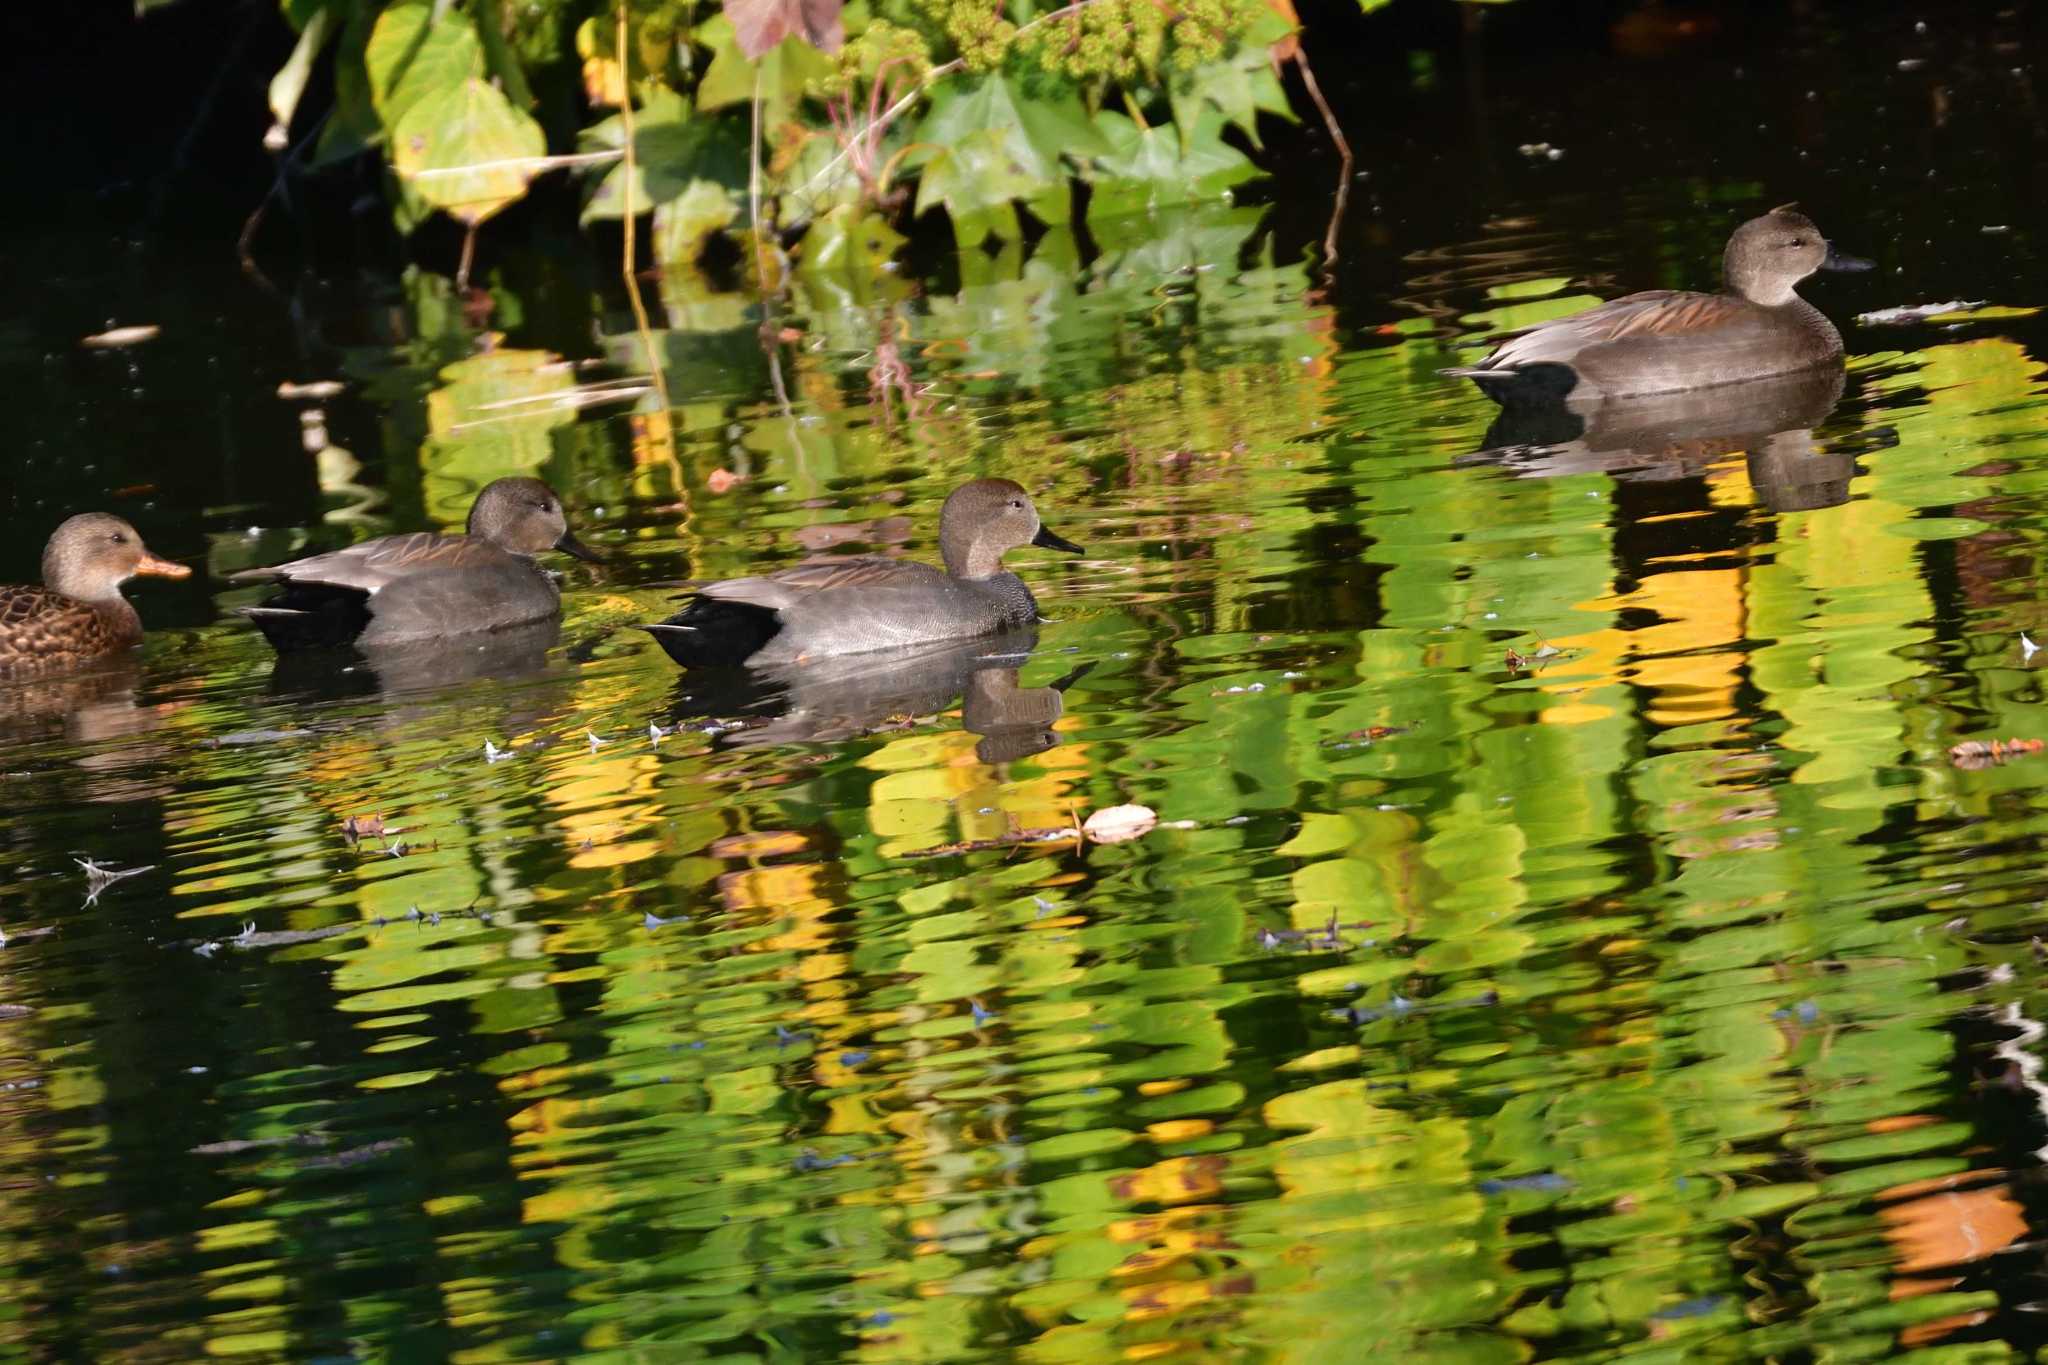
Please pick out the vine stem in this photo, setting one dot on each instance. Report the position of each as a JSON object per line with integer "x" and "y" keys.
{"x": 630, "y": 220}
{"x": 1315, "y": 92}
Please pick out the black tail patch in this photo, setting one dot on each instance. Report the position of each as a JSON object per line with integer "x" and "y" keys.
{"x": 710, "y": 633}
{"x": 311, "y": 616}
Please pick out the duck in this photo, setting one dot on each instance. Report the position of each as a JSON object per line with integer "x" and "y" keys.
{"x": 861, "y": 603}
{"x": 78, "y": 614}
{"x": 425, "y": 586}
{"x": 1668, "y": 340}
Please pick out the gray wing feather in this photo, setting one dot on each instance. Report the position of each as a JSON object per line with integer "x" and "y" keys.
{"x": 376, "y": 563}
{"x": 805, "y": 583}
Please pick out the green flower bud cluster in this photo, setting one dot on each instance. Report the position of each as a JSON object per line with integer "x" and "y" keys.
{"x": 880, "y": 43}
{"x": 977, "y": 29}
{"x": 1129, "y": 40}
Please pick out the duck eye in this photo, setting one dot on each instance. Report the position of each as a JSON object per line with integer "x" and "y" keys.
{"x": 1017, "y": 503}
{"x": 118, "y": 538}
{"x": 1797, "y": 241}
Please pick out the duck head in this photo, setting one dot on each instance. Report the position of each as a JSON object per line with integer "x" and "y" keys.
{"x": 524, "y": 516}
{"x": 90, "y": 556}
{"x": 1768, "y": 256}
{"x": 984, "y": 520}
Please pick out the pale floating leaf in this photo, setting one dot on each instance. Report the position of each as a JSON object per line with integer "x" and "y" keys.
{"x": 1955, "y": 310}
{"x": 115, "y": 337}
{"x": 1120, "y": 824}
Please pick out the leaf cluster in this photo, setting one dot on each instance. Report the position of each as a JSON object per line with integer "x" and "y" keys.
{"x": 989, "y": 109}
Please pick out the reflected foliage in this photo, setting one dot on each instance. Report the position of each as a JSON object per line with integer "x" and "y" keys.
{"x": 1566, "y": 933}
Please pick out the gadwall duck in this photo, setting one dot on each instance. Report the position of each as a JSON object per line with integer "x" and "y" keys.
{"x": 404, "y": 589}
{"x": 858, "y": 603}
{"x": 78, "y": 614}
{"x": 1666, "y": 339}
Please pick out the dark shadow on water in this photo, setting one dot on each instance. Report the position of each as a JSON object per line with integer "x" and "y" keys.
{"x": 834, "y": 699}
{"x": 329, "y": 675}
{"x": 1680, "y": 435}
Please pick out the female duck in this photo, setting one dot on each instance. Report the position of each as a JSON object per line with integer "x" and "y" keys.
{"x": 79, "y": 613}
{"x": 405, "y": 589}
{"x": 867, "y": 602}
{"x": 1667, "y": 340}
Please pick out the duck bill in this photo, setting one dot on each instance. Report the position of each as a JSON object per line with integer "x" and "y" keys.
{"x": 149, "y": 566}
{"x": 1837, "y": 260}
{"x": 1046, "y": 540}
{"x": 569, "y": 545}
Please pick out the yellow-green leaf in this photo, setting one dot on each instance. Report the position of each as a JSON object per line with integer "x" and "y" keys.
{"x": 467, "y": 151}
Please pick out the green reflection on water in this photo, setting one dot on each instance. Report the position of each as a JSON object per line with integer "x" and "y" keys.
{"x": 1629, "y": 995}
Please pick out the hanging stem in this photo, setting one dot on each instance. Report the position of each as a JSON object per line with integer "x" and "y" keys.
{"x": 631, "y": 221}
{"x": 1315, "y": 92}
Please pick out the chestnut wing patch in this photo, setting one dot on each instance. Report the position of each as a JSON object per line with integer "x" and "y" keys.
{"x": 1669, "y": 314}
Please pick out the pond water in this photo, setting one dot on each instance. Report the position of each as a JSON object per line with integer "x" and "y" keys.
{"x": 1570, "y": 933}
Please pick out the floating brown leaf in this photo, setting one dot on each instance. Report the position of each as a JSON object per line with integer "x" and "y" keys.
{"x": 1983, "y": 753}
{"x": 760, "y": 25}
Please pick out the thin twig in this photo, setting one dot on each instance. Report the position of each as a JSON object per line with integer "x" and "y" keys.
{"x": 1315, "y": 92}
{"x": 536, "y": 164}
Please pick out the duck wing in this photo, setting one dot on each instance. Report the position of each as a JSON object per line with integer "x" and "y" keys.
{"x": 803, "y": 584}
{"x": 38, "y": 625}
{"x": 375, "y": 564}
{"x": 1669, "y": 314}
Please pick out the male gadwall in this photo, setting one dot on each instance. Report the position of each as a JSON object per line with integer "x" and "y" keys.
{"x": 1666, "y": 339}
{"x": 78, "y": 614}
{"x": 404, "y": 589}
{"x": 859, "y": 603}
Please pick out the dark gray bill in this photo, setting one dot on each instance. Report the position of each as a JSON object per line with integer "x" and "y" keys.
{"x": 1837, "y": 261}
{"x": 1045, "y": 539}
{"x": 569, "y": 545}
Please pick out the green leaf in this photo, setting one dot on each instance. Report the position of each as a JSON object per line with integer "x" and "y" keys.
{"x": 297, "y": 13}
{"x": 290, "y": 81}
{"x": 1149, "y": 168}
{"x": 1037, "y": 127}
{"x": 490, "y": 32}
{"x": 975, "y": 176}
{"x": 453, "y": 145}
{"x": 1241, "y": 86}
{"x": 353, "y": 127}
{"x": 410, "y": 55}
{"x": 848, "y": 242}
{"x": 783, "y": 73}
{"x": 672, "y": 153}
{"x": 685, "y": 221}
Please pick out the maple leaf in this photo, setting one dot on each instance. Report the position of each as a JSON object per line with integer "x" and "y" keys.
{"x": 761, "y": 25}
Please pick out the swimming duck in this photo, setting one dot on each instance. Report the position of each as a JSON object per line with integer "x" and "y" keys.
{"x": 79, "y": 613}
{"x": 1666, "y": 340}
{"x": 404, "y": 589}
{"x": 858, "y": 603}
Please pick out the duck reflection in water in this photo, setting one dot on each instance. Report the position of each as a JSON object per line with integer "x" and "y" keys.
{"x": 362, "y": 670}
{"x": 1680, "y": 435}
{"x": 95, "y": 711}
{"x": 839, "y": 698}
